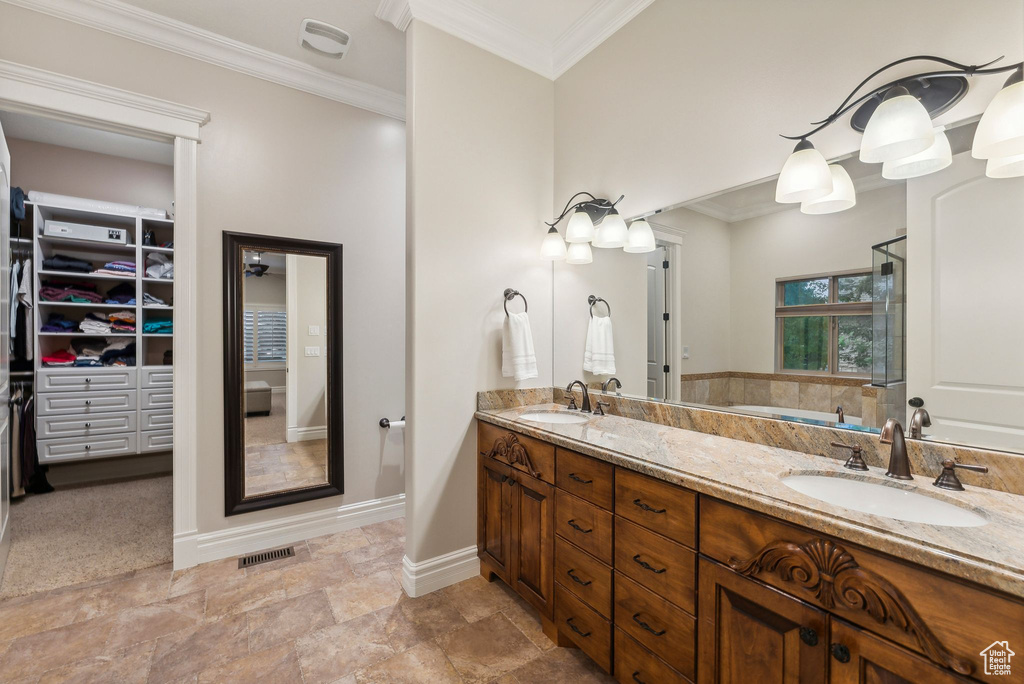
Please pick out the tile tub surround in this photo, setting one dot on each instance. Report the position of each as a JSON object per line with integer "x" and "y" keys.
{"x": 749, "y": 475}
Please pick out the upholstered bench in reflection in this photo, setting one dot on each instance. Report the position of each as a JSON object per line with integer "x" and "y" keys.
{"x": 257, "y": 398}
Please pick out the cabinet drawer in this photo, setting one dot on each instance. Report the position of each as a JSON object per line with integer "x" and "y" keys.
{"x": 664, "y": 629}
{"x": 157, "y": 398}
{"x": 634, "y": 663}
{"x": 49, "y": 427}
{"x": 156, "y": 440}
{"x": 588, "y": 630}
{"x": 157, "y": 420}
{"x": 585, "y": 477}
{"x": 79, "y": 449}
{"x": 660, "y": 564}
{"x": 584, "y": 576}
{"x": 932, "y": 607}
{"x": 85, "y": 402}
{"x": 665, "y": 508}
{"x": 529, "y": 455}
{"x": 84, "y": 379}
{"x": 159, "y": 376}
{"x": 585, "y": 525}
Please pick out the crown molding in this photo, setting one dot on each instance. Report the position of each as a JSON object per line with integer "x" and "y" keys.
{"x": 127, "y": 21}
{"x": 395, "y": 12}
{"x": 592, "y": 29}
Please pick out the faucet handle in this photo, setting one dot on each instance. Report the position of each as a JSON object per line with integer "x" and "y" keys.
{"x": 856, "y": 460}
{"x": 947, "y": 479}
{"x": 600, "y": 407}
{"x": 572, "y": 403}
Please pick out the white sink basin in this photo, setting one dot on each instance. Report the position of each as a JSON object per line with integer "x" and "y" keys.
{"x": 554, "y": 417}
{"x": 882, "y": 500}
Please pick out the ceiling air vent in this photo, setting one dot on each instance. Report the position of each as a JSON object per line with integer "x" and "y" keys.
{"x": 324, "y": 39}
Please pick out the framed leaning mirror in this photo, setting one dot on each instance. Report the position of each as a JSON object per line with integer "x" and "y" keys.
{"x": 284, "y": 426}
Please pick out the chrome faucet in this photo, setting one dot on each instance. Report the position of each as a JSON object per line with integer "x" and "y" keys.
{"x": 840, "y": 415}
{"x": 918, "y": 422}
{"x": 586, "y": 395}
{"x": 607, "y": 383}
{"x": 899, "y": 462}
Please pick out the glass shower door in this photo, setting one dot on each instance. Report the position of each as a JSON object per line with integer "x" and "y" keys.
{"x": 889, "y": 263}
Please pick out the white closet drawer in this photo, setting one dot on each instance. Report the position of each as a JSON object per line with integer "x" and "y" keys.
{"x": 157, "y": 420}
{"x": 49, "y": 427}
{"x": 159, "y": 376}
{"x": 78, "y": 449}
{"x": 85, "y": 402}
{"x": 157, "y": 398}
{"x": 82, "y": 379}
{"x": 160, "y": 440}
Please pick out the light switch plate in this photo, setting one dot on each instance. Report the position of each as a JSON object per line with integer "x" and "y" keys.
{"x": 312, "y": 351}
{"x": 314, "y": 330}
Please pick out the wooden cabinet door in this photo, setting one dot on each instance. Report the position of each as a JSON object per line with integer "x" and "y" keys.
{"x": 749, "y": 632}
{"x": 533, "y": 541}
{"x": 862, "y": 658}
{"x": 494, "y": 517}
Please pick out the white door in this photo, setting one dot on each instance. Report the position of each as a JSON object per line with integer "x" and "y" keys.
{"x": 657, "y": 326}
{"x": 965, "y": 314}
{"x": 5, "y": 359}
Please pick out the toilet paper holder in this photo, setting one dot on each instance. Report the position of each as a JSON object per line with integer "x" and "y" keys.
{"x": 385, "y": 423}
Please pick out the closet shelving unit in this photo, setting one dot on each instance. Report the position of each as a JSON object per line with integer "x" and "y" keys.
{"x": 93, "y": 412}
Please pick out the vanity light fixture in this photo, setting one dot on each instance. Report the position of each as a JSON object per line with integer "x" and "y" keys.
{"x": 586, "y": 214}
{"x": 1005, "y": 167}
{"x": 553, "y": 247}
{"x": 900, "y": 127}
{"x": 612, "y": 232}
{"x": 640, "y": 238}
{"x": 842, "y": 197}
{"x": 580, "y": 227}
{"x": 1000, "y": 132}
{"x": 805, "y": 176}
{"x": 579, "y": 253}
{"x": 935, "y": 158}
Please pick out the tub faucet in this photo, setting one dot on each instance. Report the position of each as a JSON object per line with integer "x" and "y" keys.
{"x": 840, "y": 415}
{"x": 899, "y": 462}
{"x": 608, "y": 383}
{"x": 586, "y": 394}
{"x": 918, "y": 421}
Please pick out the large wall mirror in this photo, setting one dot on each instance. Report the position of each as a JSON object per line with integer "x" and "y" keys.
{"x": 284, "y": 438}
{"x": 909, "y": 299}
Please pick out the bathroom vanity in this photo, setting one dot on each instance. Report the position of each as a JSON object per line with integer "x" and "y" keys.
{"x": 667, "y": 555}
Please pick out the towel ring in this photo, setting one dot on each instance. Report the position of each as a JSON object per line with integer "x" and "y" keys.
{"x": 594, "y": 300}
{"x": 511, "y": 294}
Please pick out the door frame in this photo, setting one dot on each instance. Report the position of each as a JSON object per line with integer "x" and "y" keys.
{"x": 673, "y": 244}
{"x": 28, "y": 90}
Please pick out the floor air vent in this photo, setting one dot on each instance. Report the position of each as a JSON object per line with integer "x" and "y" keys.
{"x": 265, "y": 557}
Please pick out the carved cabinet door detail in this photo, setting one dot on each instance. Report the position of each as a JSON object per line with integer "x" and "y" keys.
{"x": 494, "y": 517}
{"x": 858, "y": 657}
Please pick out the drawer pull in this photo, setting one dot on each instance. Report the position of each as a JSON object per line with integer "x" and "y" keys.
{"x": 577, "y": 580}
{"x": 809, "y": 636}
{"x": 644, "y": 507}
{"x": 573, "y": 525}
{"x": 637, "y": 679}
{"x": 644, "y": 625}
{"x": 577, "y": 478}
{"x": 647, "y": 566}
{"x": 573, "y": 627}
{"x": 841, "y": 653}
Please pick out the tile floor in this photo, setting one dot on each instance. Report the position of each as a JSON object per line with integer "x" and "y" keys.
{"x": 276, "y": 467}
{"x": 333, "y": 613}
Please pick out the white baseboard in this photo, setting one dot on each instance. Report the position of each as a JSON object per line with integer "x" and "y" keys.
{"x": 439, "y": 572}
{"x": 192, "y": 548}
{"x": 306, "y": 433}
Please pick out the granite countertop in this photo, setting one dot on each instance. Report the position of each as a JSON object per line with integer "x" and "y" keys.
{"x": 750, "y": 475}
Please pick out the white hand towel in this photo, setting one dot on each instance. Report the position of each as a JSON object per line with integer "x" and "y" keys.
{"x": 517, "y": 357}
{"x": 599, "y": 355}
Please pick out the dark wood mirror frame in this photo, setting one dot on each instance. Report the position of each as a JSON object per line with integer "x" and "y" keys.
{"x": 235, "y": 501}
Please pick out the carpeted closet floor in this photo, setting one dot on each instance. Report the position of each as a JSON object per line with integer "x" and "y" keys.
{"x": 78, "y": 534}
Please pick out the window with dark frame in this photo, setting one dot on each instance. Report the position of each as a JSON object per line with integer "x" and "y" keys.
{"x": 823, "y": 324}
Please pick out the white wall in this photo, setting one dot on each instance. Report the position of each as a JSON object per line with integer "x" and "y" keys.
{"x": 273, "y": 161}
{"x": 307, "y": 307}
{"x": 480, "y": 165}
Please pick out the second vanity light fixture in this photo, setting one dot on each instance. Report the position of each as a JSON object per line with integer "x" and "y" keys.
{"x": 896, "y": 120}
{"x": 594, "y": 222}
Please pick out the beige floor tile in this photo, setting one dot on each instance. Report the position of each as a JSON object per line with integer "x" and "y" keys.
{"x": 302, "y": 555}
{"x": 385, "y": 531}
{"x": 393, "y": 547}
{"x": 563, "y": 665}
{"x": 363, "y": 595}
{"x": 317, "y": 574}
{"x": 392, "y": 559}
{"x": 244, "y": 593}
{"x": 144, "y": 623}
{"x": 337, "y": 651}
{"x": 413, "y": 620}
{"x": 184, "y": 654}
{"x": 476, "y": 598}
{"x": 127, "y": 666}
{"x": 288, "y": 619}
{"x": 524, "y": 617}
{"x": 487, "y": 649}
{"x": 36, "y": 653}
{"x": 337, "y": 543}
{"x": 138, "y": 590}
{"x": 38, "y": 613}
{"x": 277, "y": 665}
{"x": 421, "y": 664}
{"x": 205, "y": 575}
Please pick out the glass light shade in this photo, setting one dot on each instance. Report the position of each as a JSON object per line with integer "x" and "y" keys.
{"x": 805, "y": 176}
{"x": 640, "y": 238}
{"x": 611, "y": 233}
{"x": 580, "y": 228}
{"x": 579, "y": 253}
{"x": 900, "y": 127}
{"x": 553, "y": 247}
{"x": 1000, "y": 132}
{"x": 1005, "y": 167}
{"x": 935, "y": 158}
{"x": 842, "y": 197}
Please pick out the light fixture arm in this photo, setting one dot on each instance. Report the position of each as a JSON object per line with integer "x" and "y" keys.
{"x": 956, "y": 69}
{"x": 595, "y": 207}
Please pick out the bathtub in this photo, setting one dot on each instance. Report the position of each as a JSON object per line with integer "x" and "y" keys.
{"x": 799, "y": 414}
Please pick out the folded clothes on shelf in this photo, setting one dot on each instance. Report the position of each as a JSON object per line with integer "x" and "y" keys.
{"x": 119, "y": 268}
{"x": 96, "y": 324}
{"x": 57, "y": 323}
{"x": 152, "y": 300}
{"x": 97, "y": 351}
{"x": 120, "y": 353}
{"x": 59, "y": 358}
{"x": 158, "y": 326}
{"x": 89, "y": 346}
{"x": 159, "y": 266}
{"x": 123, "y": 293}
{"x": 82, "y": 293}
{"x": 62, "y": 262}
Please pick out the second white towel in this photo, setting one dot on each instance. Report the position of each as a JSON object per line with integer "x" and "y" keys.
{"x": 517, "y": 356}
{"x": 599, "y": 355}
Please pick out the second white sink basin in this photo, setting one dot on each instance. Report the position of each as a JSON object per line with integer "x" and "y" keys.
{"x": 882, "y": 500}
{"x": 554, "y": 417}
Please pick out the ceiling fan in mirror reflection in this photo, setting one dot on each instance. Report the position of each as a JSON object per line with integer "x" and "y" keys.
{"x": 896, "y": 120}
{"x": 594, "y": 222}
